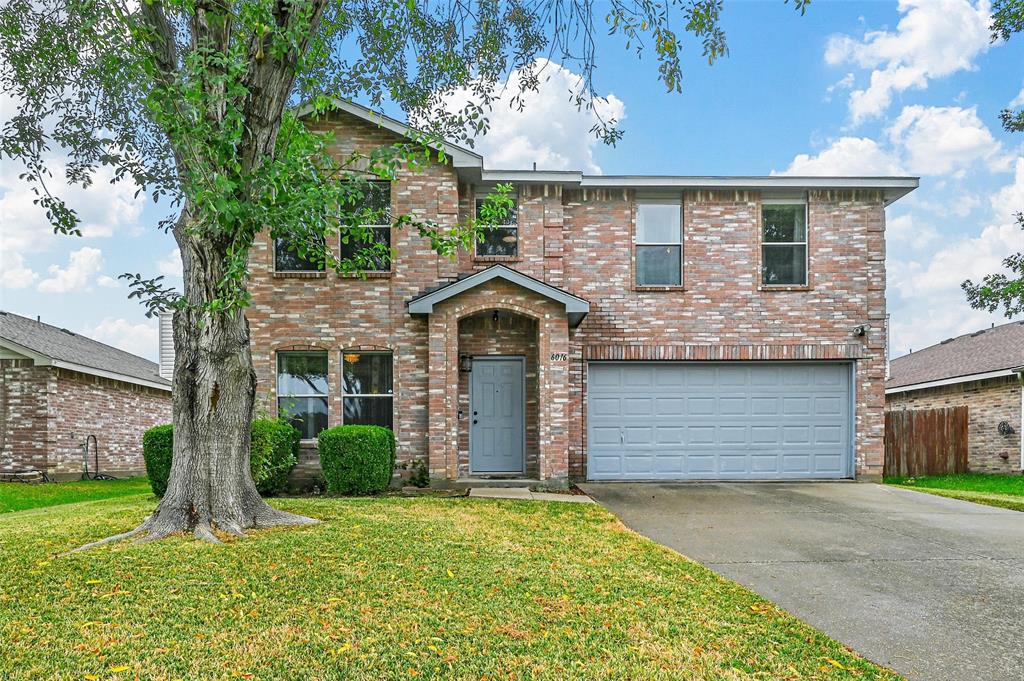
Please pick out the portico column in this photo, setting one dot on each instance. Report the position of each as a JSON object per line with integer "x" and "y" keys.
{"x": 553, "y": 379}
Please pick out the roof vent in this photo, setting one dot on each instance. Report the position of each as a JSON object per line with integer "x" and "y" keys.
{"x": 70, "y": 333}
{"x": 978, "y": 333}
{"x": 948, "y": 340}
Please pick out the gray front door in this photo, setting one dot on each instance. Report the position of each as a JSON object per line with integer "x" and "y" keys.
{"x": 497, "y": 438}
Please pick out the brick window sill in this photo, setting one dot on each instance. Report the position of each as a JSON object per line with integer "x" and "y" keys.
{"x": 300, "y": 275}
{"x": 497, "y": 258}
{"x": 785, "y": 288}
{"x": 658, "y": 289}
{"x": 365, "y": 275}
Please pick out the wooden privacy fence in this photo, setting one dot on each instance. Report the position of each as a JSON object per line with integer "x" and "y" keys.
{"x": 926, "y": 442}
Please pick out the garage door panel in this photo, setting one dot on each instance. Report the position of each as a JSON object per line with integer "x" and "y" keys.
{"x": 679, "y": 421}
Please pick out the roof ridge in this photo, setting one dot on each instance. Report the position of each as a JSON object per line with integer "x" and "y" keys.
{"x": 78, "y": 334}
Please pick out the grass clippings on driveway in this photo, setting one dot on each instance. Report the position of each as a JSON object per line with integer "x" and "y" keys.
{"x": 18, "y": 496}
{"x": 1004, "y": 491}
{"x": 388, "y": 588}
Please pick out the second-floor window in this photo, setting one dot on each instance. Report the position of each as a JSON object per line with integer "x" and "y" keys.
{"x": 302, "y": 391}
{"x": 659, "y": 243}
{"x": 377, "y": 207}
{"x": 502, "y": 239}
{"x": 288, "y": 259}
{"x": 784, "y": 243}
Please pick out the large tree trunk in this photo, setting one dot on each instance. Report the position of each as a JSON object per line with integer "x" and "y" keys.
{"x": 214, "y": 388}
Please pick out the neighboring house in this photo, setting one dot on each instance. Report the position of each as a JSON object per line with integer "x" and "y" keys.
{"x": 616, "y": 328}
{"x": 57, "y": 388}
{"x": 982, "y": 371}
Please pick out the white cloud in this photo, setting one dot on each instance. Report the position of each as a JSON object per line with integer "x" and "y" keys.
{"x": 139, "y": 339}
{"x": 104, "y": 209}
{"x": 549, "y": 130}
{"x": 1017, "y": 101}
{"x": 83, "y": 265}
{"x": 107, "y": 281}
{"x": 939, "y": 140}
{"x": 14, "y": 274}
{"x": 847, "y": 156}
{"x": 170, "y": 266}
{"x": 906, "y": 229}
{"x": 924, "y": 293}
{"x": 933, "y": 39}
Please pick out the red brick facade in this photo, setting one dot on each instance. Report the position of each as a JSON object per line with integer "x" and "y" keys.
{"x": 47, "y": 413}
{"x": 580, "y": 240}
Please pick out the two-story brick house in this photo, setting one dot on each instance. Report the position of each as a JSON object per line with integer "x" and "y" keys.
{"x": 619, "y": 327}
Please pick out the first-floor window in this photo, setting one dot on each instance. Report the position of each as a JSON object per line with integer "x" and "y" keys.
{"x": 368, "y": 387}
{"x": 302, "y": 391}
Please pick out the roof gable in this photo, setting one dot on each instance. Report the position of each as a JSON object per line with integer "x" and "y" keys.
{"x": 575, "y": 307}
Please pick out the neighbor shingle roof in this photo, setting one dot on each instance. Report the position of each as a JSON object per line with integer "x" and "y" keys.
{"x": 994, "y": 349}
{"x": 69, "y": 347}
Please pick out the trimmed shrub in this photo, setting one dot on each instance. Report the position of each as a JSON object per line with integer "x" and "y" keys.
{"x": 272, "y": 455}
{"x": 357, "y": 459}
{"x": 157, "y": 448}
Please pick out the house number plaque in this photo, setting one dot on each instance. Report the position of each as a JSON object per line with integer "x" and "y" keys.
{"x": 559, "y": 356}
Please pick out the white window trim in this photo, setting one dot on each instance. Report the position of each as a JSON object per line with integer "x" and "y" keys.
{"x": 805, "y": 243}
{"x": 677, "y": 203}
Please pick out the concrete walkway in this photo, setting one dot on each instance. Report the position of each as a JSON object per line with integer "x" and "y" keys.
{"x": 524, "y": 494}
{"x": 931, "y": 587}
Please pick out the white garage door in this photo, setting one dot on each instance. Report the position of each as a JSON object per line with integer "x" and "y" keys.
{"x": 719, "y": 421}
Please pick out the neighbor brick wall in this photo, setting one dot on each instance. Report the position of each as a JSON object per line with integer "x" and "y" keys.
{"x": 117, "y": 413}
{"x": 23, "y": 415}
{"x": 581, "y": 241}
{"x": 988, "y": 402}
{"x": 48, "y": 413}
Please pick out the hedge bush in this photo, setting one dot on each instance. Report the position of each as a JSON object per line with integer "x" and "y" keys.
{"x": 272, "y": 455}
{"x": 157, "y": 448}
{"x": 357, "y": 459}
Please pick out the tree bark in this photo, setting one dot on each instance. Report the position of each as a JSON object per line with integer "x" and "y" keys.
{"x": 210, "y": 488}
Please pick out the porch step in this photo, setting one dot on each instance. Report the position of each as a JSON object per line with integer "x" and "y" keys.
{"x": 524, "y": 494}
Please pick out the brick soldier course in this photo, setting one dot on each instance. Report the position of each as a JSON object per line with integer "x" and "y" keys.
{"x": 576, "y": 233}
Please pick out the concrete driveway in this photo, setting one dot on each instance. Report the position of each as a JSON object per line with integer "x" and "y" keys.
{"x": 931, "y": 587}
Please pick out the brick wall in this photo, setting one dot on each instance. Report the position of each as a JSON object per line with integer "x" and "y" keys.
{"x": 47, "y": 414}
{"x": 23, "y": 414}
{"x": 988, "y": 402}
{"x": 117, "y": 413}
{"x": 580, "y": 240}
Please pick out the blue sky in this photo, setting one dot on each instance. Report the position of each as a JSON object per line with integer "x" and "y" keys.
{"x": 849, "y": 88}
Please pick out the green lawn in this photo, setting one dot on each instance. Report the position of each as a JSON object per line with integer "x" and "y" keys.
{"x": 1004, "y": 491}
{"x": 387, "y": 588}
{"x": 18, "y": 496}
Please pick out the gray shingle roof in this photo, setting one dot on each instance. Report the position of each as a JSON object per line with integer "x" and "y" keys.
{"x": 980, "y": 352}
{"x": 66, "y": 346}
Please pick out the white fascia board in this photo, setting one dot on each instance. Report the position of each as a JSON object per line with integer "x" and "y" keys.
{"x": 566, "y": 177}
{"x": 37, "y": 358}
{"x": 950, "y": 381}
{"x": 461, "y": 158}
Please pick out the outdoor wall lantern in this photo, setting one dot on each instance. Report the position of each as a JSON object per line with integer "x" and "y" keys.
{"x": 1005, "y": 428}
{"x": 465, "y": 363}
